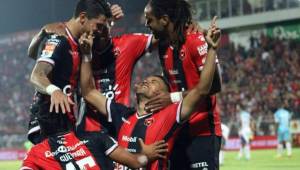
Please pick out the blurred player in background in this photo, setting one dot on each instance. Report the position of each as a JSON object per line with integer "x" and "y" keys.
{"x": 225, "y": 136}
{"x": 282, "y": 119}
{"x": 245, "y": 132}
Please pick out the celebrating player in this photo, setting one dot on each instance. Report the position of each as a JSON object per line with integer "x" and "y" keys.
{"x": 55, "y": 77}
{"x": 150, "y": 127}
{"x": 182, "y": 56}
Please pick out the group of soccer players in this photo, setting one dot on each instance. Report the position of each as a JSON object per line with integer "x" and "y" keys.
{"x": 81, "y": 117}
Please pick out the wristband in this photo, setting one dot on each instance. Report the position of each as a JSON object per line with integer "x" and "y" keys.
{"x": 142, "y": 159}
{"x": 87, "y": 57}
{"x": 51, "y": 88}
{"x": 176, "y": 97}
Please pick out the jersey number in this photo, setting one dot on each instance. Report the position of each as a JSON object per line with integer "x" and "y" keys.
{"x": 88, "y": 161}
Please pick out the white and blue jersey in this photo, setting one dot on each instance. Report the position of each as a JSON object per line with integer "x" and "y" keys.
{"x": 283, "y": 117}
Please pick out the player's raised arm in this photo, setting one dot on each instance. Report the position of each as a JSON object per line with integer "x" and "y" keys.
{"x": 88, "y": 89}
{"x": 201, "y": 90}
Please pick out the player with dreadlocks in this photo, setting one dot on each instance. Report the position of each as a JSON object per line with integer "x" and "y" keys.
{"x": 182, "y": 56}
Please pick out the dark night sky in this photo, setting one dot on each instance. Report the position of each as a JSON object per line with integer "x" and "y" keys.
{"x": 21, "y": 15}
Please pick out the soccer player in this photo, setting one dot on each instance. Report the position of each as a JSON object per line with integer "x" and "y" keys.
{"x": 225, "y": 135}
{"x": 245, "y": 132}
{"x": 55, "y": 77}
{"x": 151, "y": 127}
{"x": 182, "y": 56}
{"x": 112, "y": 65}
{"x": 282, "y": 119}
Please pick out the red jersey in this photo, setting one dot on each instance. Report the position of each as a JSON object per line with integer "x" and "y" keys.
{"x": 112, "y": 71}
{"x": 182, "y": 69}
{"x": 68, "y": 151}
{"x": 152, "y": 127}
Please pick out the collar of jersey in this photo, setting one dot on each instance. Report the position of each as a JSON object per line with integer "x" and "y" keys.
{"x": 70, "y": 35}
{"x": 143, "y": 116}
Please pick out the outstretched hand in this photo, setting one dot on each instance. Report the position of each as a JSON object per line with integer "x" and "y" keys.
{"x": 213, "y": 35}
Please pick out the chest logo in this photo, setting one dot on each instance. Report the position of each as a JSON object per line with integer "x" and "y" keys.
{"x": 149, "y": 121}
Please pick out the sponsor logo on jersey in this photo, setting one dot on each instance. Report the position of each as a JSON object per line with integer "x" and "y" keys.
{"x": 197, "y": 165}
{"x": 48, "y": 49}
{"x": 65, "y": 149}
{"x": 111, "y": 92}
{"x": 202, "y": 50}
{"x": 129, "y": 139}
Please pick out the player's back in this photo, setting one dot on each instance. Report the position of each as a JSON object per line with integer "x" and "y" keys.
{"x": 68, "y": 151}
{"x": 282, "y": 117}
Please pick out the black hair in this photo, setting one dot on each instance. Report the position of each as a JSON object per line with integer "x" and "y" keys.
{"x": 93, "y": 8}
{"x": 179, "y": 12}
{"x": 164, "y": 80}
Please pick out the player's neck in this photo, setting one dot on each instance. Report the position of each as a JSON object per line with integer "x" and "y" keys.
{"x": 73, "y": 27}
{"x": 141, "y": 107}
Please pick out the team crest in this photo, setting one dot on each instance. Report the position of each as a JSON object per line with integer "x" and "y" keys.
{"x": 182, "y": 55}
{"x": 117, "y": 51}
{"x": 149, "y": 121}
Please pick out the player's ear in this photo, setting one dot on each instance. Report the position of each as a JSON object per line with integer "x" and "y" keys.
{"x": 82, "y": 18}
{"x": 164, "y": 20}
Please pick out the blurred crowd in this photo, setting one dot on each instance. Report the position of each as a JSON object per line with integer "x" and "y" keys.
{"x": 16, "y": 93}
{"x": 206, "y": 9}
{"x": 261, "y": 78}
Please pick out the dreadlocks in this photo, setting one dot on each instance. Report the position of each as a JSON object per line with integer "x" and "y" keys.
{"x": 179, "y": 12}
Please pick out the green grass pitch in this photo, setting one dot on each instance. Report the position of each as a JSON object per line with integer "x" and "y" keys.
{"x": 261, "y": 160}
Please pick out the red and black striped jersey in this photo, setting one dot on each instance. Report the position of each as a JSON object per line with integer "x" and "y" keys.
{"x": 112, "y": 70}
{"x": 163, "y": 125}
{"x": 182, "y": 69}
{"x": 71, "y": 152}
{"x": 63, "y": 54}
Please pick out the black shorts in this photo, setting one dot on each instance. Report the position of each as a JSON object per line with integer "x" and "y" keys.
{"x": 203, "y": 152}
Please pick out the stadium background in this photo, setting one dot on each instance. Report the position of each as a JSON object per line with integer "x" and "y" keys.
{"x": 259, "y": 58}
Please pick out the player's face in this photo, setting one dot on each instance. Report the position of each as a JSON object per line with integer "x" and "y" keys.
{"x": 155, "y": 24}
{"x": 151, "y": 86}
{"x": 98, "y": 26}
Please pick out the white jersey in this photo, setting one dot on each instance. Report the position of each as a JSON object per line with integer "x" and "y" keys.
{"x": 245, "y": 130}
{"x": 245, "y": 119}
{"x": 225, "y": 131}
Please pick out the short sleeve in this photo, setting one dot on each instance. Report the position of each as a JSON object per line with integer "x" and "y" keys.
{"x": 29, "y": 162}
{"x": 137, "y": 44}
{"x": 108, "y": 142}
{"x": 117, "y": 113}
{"x": 51, "y": 51}
{"x": 197, "y": 48}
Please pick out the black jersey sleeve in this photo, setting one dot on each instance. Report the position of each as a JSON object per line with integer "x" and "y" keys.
{"x": 52, "y": 49}
{"x": 117, "y": 112}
